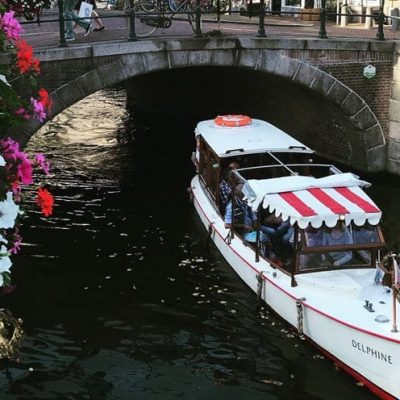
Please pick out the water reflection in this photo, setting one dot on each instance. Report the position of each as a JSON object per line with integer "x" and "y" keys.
{"x": 122, "y": 297}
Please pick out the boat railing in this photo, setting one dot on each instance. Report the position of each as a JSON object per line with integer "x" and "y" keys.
{"x": 289, "y": 169}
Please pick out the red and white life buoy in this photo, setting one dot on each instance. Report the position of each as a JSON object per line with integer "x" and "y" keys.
{"x": 232, "y": 120}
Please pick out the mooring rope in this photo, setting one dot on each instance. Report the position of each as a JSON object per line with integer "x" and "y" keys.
{"x": 260, "y": 286}
{"x": 300, "y": 316}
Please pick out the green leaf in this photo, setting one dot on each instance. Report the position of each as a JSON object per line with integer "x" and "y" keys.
{"x": 6, "y": 278}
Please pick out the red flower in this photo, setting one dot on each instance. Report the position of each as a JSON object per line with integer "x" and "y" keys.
{"x": 25, "y": 59}
{"x": 45, "y": 99}
{"x": 45, "y": 201}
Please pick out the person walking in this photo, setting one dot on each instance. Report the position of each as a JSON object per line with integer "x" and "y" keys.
{"x": 99, "y": 26}
{"x": 71, "y": 18}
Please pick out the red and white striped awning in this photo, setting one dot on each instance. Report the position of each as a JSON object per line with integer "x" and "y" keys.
{"x": 314, "y": 201}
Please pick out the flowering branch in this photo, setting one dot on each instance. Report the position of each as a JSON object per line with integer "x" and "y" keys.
{"x": 20, "y": 99}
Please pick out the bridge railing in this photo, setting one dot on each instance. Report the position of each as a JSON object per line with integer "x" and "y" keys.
{"x": 262, "y": 13}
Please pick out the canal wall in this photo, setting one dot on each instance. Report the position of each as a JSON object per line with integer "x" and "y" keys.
{"x": 393, "y": 137}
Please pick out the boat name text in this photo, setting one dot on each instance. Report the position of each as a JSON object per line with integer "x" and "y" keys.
{"x": 372, "y": 352}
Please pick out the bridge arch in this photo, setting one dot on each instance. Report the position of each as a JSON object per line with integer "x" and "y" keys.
{"x": 224, "y": 53}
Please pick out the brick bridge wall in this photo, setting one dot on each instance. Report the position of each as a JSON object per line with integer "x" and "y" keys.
{"x": 342, "y": 60}
{"x": 347, "y": 66}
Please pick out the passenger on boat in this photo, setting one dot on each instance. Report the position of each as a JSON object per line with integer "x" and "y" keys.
{"x": 338, "y": 236}
{"x": 365, "y": 234}
{"x": 225, "y": 191}
{"x": 313, "y": 238}
{"x": 280, "y": 232}
{"x": 239, "y": 212}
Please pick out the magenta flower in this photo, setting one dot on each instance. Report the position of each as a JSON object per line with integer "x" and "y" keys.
{"x": 38, "y": 110}
{"x": 10, "y": 150}
{"x": 24, "y": 169}
{"x": 10, "y": 26}
{"x": 16, "y": 246}
{"x": 42, "y": 163}
{"x": 18, "y": 161}
{"x": 21, "y": 111}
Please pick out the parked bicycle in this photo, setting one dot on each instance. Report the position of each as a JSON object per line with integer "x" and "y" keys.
{"x": 153, "y": 14}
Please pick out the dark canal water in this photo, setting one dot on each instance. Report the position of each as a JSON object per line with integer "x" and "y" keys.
{"x": 121, "y": 296}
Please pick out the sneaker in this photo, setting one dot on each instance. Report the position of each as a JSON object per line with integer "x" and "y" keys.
{"x": 70, "y": 39}
{"x": 99, "y": 29}
{"x": 88, "y": 29}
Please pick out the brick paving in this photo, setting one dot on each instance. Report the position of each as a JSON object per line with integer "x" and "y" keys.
{"x": 47, "y": 33}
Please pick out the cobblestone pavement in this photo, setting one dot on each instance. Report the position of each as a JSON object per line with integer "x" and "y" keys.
{"x": 46, "y": 34}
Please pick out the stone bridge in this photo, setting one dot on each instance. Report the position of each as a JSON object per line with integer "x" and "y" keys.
{"x": 363, "y": 130}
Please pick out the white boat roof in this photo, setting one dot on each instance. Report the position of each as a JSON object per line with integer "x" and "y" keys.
{"x": 306, "y": 200}
{"x": 258, "y": 136}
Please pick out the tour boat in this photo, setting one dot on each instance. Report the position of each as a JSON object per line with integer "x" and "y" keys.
{"x": 327, "y": 277}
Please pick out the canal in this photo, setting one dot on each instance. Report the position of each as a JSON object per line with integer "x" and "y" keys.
{"x": 120, "y": 293}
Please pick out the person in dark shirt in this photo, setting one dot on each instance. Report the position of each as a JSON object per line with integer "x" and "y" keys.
{"x": 225, "y": 191}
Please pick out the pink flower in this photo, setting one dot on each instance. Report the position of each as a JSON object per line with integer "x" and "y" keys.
{"x": 10, "y": 25}
{"x": 17, "y": 163}
{"x": 10, "y": 149}
{"x": 16, "y": 246}
{"x": 21, "y": 111}
{"x": 25, "y": 170}
{"x": 38, "y": 110}
{"x": 42, "y": 163}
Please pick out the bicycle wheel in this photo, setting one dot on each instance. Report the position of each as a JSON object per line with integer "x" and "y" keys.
{"x": 145, "y": 5}
{"x": 145, "y": 24}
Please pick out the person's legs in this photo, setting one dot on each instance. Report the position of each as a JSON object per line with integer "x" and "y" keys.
{"x": 68, "y": 13}
{"x": 97, "y": 21}
{"x": 85, "y": 25}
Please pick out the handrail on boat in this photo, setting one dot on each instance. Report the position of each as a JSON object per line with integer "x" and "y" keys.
{"x": 281, "y": 163}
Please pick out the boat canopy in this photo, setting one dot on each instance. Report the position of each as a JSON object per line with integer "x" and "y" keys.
{"x": 256, "y": 137}
{"x": 306, "y": 200}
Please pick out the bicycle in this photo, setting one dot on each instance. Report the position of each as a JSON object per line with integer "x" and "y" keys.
{"x": 153, "y": 14}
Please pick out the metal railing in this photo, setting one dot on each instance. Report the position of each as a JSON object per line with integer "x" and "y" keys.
{"x": 262, "y": 13}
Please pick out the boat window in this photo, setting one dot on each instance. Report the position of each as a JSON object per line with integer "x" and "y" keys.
{"x": 365, "y": 234}
{"x": 353, "y": 234}
{"x": 339, "y": 259}
{"x": 209, "y": 167}
{"x": 315, "y": 243}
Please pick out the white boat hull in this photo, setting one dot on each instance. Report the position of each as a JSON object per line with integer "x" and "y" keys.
{"x": 372, "y": 357}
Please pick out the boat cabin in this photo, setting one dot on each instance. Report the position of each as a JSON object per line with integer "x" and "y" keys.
{"x": 306, "y": 215}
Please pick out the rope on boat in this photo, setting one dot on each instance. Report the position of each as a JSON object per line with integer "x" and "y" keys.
{"x": 260, "y": 286}
{"x": 299, "y": 306}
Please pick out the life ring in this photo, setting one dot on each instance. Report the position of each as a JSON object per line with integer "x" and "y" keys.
{"x": 233, "y": 120}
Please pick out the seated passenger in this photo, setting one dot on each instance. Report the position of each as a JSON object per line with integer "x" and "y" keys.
{"x": 365, "y": 234}
{"x": 313, "y": 238}
{"x": 239, "y": 212}
{"x": 225, "y": 191}
{"x": 279, "y": 232}
{"x": 338, "y": 236}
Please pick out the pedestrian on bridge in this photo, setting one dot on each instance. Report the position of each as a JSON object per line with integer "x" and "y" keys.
{"x": 71, "y": 17}
{"x": 97, "y": 20}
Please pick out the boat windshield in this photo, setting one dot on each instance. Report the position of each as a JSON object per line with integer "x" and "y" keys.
{"x": 338, "y": 247}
